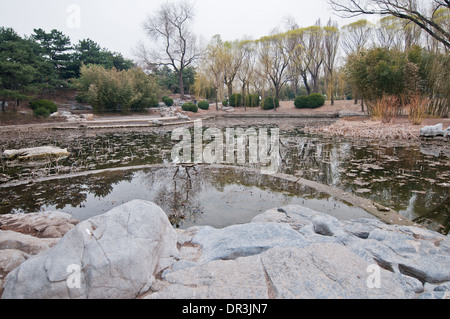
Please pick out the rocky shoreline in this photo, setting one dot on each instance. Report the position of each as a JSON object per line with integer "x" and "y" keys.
{"x": 371, "y": 129}
{"x": 133, "y": 252}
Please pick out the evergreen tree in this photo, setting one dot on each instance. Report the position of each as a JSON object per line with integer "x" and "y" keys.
{"x": 56, "y": 48}
{"x": 23, "y": 70}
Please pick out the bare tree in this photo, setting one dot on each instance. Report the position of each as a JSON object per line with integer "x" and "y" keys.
{"x": 177, "y": 45}
{"x": 424, "y": 16}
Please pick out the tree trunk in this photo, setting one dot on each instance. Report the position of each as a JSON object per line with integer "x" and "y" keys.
{"x": 243, "y": 97}
{"x": 277, "y": 94}
{"x": 230, "y": 88}
{"x": 305, "y": 81}
{"x": 217, "y": 102}
{"x": 181, "y": 84}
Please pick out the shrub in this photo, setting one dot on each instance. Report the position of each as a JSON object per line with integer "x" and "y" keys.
{"x": 315, "y": 100}
{"x": 225, "y": 103}
{"x": 385, "y": 109}
{"x": 204, "y": 105}
{"x": 252, "y": 100}
{"x": 111, "y": 90}
{"x": 45, "y": 104}
{"x": 79, "y": 99}
{"x": 268, "y": 103}
{"x": 418, "y": 108}
{"x": 190, "y": 107}
{"x": 164, "y": 98}
{"x": 41, "y": 111}
{"x": 301, "y": 102}
{"x": 140, "y": 105}
{"x": 312, "y": 101}
{"x": 236, "y": 99}
{"x": 168, "y": 101}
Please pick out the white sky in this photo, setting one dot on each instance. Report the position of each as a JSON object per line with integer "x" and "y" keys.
{"x": 117, "y": 24}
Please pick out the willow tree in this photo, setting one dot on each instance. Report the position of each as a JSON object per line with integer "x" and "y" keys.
{"x": 232, "y": 57}
{"x": 312, "y": 42}
{"x": 331, "y": 46}
{"x": 210, "y": 70}
{"x": 274, "y": 58}
{"x": 247, "y": 69}
{"x": 397, "y": 33}
{"x": 356, "y": 36}
{"x": 355, "y": 39}
{"x": 298, "y": 66}
{"x": 170, "y": 28}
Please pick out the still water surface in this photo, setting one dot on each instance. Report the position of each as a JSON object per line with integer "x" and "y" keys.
{"x": 412, "y": 179}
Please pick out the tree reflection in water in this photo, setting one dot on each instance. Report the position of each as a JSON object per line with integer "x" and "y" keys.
{"x": 411, "y": 179}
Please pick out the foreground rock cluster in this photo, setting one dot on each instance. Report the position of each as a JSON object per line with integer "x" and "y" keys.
{"x": 287, "y": 252}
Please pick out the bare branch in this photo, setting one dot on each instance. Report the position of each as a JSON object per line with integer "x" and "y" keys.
{"x": 403, "y": 9}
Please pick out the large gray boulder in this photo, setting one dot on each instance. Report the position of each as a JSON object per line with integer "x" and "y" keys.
{"x": 115, "y": 255}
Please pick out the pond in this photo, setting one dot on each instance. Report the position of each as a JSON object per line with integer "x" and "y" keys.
{"x": 412, "y": 179}
{"x": 198, "y": 195}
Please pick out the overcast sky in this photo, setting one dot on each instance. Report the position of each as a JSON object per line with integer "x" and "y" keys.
{"x": 117, "y": 24}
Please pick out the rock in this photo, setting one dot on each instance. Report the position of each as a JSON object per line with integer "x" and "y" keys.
{"x": 25, "y": 243}
{"x": 285, "y": 252}
{"x": 10, "y": 259}
{"x": 42, "y": 225}
{"x": 183, "y": 117}
{"x": 434, "y": 130}
{"x": 296, "y": 216}
{"x": 87, "y": 117}
{"x": 81, "y": 107}
{"x": 412, "y": 251}
{"x": 157, "y": 122}
{"x": 65, "y": 114}
{"x": 317, "y": 271}
{"x": 245, "y": 240}
{"x": 242, "y": 278}
{"x": 326, "y": 225}
{"x": 117, "y": 254}
{"x": 433, "y": 269}
{"x": 328, "y": 270}
{"x": 35, "y": 153}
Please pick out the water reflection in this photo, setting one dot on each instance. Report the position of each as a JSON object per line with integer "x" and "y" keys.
{"x": 197, "y": 195}
{"x": 413, "y": 180}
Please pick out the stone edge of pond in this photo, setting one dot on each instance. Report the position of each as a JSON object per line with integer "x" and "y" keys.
{"x": 385, "y": 214}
